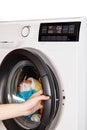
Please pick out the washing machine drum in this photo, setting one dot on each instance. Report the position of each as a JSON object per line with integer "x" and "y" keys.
{"x": 24, "y": 64}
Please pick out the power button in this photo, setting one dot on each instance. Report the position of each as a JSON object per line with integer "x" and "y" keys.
{"x": 25, "y": 31}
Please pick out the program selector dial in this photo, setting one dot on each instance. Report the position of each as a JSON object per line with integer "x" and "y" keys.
{"x": 25, "y": 31}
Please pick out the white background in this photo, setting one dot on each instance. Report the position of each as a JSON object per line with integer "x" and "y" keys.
{"x": 41, "y": 9}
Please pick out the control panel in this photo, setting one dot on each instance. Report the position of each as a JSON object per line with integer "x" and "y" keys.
{"x": 65, "y": 31}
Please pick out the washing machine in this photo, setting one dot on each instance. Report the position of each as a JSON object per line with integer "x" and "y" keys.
{"x": 54, "y": 51}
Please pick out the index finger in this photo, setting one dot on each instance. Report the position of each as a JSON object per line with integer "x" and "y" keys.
{"x": 42, "y": 97}
{"x": 37, "y": 94}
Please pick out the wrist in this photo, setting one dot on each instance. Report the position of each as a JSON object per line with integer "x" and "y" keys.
{"x": 25, "y": 110}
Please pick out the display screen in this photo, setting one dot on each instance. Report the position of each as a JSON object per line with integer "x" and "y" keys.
{"x": 54, "y": 29}
{"x": 59, "y": 31}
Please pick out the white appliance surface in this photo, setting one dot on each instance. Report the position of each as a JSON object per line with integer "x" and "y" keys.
{"x": 69, "y": 60}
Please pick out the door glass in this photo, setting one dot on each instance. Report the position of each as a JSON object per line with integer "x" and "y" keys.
{"x": 26, "y": 81}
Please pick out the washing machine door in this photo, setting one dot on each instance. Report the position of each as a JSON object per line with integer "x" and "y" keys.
{"x": 22, "y": 63}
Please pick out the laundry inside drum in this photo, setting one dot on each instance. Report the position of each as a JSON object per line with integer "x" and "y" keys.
{"x": 25, "y": 82}
{"x": 28, "y": 84}
{"x": 25, "y": 90}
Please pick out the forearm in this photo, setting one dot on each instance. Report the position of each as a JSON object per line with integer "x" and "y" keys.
{"x": 8, "y": 111}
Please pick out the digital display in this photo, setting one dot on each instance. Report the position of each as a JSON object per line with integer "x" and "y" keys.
{"x": 58, "y": 29}
{"x": 54, "y": 29}
{"x": 66, "y": 31}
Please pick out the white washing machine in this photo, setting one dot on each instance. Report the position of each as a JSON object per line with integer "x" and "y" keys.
{"x": 56, "y": 52}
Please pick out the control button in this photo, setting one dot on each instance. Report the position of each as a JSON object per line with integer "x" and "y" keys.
{"x": 44, "y": 27}
{"x": 71, "y": 29}
{"x": 59, "y": 38}
{"x": 43, "y": 38}
{"x": 65, "y": 29}
{"x": 53, "y": 38}
{"x": 44, "y": 31}
{"x": 48, "y": 38}
{"x": 25, "y": 31}
{"x": 58, "y": 29}
{"x": 64, "y": 38}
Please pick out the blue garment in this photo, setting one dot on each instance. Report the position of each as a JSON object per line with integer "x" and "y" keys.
{"x": 26, "y": 95}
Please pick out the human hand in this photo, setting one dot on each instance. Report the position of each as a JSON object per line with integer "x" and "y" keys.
{"x": 34, "y": 103}
{"x": 23, "y": 109}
